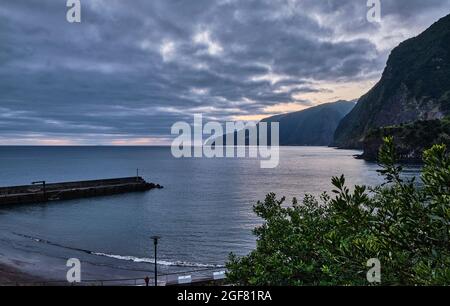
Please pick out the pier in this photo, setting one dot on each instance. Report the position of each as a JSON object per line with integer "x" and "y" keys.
{"x": 39, "y": 192}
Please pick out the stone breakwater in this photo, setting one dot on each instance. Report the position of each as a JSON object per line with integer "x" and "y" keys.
{"x": 44, "y": 192}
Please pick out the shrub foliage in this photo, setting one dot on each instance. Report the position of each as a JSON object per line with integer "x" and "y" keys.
{"x": 328, "y": 241}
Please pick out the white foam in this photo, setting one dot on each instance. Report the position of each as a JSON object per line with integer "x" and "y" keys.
{"x": 159, "y": 262}
{"x": 129, "y": 258}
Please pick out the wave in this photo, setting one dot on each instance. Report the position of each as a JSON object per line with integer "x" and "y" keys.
{"x": 126, "y": 258}
{"x": 160, "y": 262}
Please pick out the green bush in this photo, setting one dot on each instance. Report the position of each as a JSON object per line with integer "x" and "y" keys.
{"x": 329, "y": 241}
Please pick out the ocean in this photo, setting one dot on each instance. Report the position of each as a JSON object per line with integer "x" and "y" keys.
{"x": 203, "y": 213}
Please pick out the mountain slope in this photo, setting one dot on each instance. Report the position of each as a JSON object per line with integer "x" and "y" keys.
{"x": 415, "y": 85}
{"x": 314, "y": 126}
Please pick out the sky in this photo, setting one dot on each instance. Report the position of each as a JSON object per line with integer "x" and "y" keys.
{"x": 131, "y": 69}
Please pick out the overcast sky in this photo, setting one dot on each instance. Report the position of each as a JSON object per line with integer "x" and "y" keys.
{"x": 132, "y": 68}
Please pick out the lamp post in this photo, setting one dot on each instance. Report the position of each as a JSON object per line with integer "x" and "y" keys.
{"x": 155, "y": 243}
{"x": 43, "y": 188}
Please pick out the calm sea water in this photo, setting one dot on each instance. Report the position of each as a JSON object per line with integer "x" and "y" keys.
{"x": 203, "y": 213}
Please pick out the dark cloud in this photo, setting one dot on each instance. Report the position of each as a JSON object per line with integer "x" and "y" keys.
{"x": 133, "y": 68}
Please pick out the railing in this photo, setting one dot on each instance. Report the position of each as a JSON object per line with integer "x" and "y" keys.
{"x": 167, "y": 279}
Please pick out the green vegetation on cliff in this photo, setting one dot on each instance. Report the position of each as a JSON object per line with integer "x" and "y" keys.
{"x": 415, "y": 86}
{"x": 410, "y": 139}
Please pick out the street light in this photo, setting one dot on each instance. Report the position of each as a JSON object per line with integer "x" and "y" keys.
{"x": 43, "y": 188}
{"x": 155, "y": 243}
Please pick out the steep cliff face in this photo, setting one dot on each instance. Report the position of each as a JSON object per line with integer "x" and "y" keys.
{"x": 314, "y": 126}
{"x": 415, "y": 85}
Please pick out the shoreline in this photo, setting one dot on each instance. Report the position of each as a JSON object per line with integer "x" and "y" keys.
{"x": 12, "y": 276}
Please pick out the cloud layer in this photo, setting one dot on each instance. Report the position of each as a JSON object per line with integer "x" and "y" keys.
{"x": 133, "y": 68}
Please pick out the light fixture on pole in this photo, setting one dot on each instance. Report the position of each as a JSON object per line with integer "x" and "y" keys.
{"x": 155, "y": 243}
{"x": 44, "y": 191}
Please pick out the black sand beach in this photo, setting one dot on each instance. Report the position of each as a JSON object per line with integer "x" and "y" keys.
{"x": 12, "y": 276}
